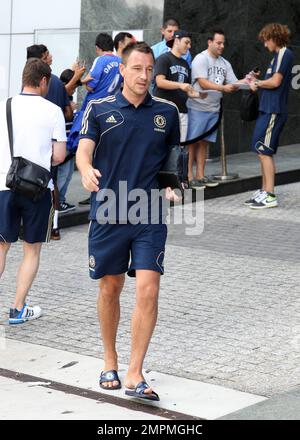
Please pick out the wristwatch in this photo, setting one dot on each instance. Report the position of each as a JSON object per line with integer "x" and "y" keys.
{"x": 256, "y": 83}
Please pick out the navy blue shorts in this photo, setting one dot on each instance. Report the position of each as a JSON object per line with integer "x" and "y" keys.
{"x": 267, "y": 132}
{"x": 121, "y": 248}
{"x": 36, "y": 217}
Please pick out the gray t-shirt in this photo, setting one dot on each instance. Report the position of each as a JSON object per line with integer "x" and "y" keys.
{"x": 217, "y": 70}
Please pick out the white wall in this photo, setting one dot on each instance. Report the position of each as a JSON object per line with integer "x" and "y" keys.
{"x": 55, "y": 23}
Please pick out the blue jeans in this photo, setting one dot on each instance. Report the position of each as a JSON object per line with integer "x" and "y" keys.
{"x": 64, "y": 176}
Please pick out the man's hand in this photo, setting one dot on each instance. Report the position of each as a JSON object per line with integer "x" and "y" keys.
{"x": 90, "y": 179}
{"x": 87, "y": 79}
{"x": 187, "y": 88}
{"x": 172, "y": 196}
{"x": 253, "y": 86}
{"x": 74, "y": 106}
{"x": 229, "y": 88}
{"x": 79, "y": 71}
{"x": 193, "y": 93}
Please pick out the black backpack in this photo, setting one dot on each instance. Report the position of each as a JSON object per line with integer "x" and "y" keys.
{"x": 249, "y": 108}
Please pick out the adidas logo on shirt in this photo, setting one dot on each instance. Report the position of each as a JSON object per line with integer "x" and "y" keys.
{"x": 111, "y": 120}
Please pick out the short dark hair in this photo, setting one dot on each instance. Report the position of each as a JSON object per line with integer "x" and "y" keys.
{"x": 170, "y": 22}
{"x": 66, "y": 76}
{"x": 34, "y": 71}
{"x": 43, "y": 48}
{"x": 121, "y": 37}
{"x": 104, "y": 42}
{"x": 139, "y": 46}
{"x": 213, "y": 32}
{"x": 35, "y": 51}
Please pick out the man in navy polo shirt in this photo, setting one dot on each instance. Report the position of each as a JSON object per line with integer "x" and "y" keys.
{"x": 273, "y": 110}
{"x": 124, "y": 141}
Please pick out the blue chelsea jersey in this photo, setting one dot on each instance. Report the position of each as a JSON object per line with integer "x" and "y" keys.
{"x": 106, "y": 78}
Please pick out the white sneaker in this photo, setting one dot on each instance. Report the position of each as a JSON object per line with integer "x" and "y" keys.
{"x": 253, "y": 197}
{"x": 268, "y": 200}
{"x": 27, "y": 313}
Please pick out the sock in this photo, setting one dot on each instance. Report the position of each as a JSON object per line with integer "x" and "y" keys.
{"x": 55, "y": 220}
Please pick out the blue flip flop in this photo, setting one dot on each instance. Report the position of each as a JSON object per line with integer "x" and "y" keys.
{"x": 139, "y": 392}
{"x": 109, "y": 376}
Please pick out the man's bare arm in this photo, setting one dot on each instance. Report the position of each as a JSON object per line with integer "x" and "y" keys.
{"x": 84, "y": 159}
{"x": 71, "y": 85}
{"x": 58, "y": 152}
{"x": 208, "y": 85}
{"x": 271, "y": 83}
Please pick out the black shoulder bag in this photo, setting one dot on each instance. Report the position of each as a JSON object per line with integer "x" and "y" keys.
{"x": 174, "y": 173}
{"x": 24, "y": 177}
{"x": 249, "y": 107}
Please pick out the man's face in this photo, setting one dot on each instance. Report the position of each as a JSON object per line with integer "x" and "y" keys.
{"x": 137, "y": 73}
{"x": 183, "y": 44}
{"x": 217, "y": 45}
{"x": 168, "y": 32}
{"x": 47, "y": 58}
{"x": 270, "y": 45}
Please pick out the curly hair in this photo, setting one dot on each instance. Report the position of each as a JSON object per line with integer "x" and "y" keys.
{"x": 279, "y": 33}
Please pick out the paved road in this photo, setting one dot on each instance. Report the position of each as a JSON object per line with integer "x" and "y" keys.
{"x": 229, "y": 304}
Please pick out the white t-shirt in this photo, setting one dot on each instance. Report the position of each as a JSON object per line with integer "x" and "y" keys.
{"x": 36, "y": 123}
{"x": 217, "y": 70}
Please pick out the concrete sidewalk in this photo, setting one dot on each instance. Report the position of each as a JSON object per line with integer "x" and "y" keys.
{"x": 61, "y": 371}
{"x": 229, "y": 305}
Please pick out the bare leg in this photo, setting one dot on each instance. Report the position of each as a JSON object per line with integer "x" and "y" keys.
{"x": 55, "y": 195}
{"x": 109, "y": 315}
{"x": 192, "y": 157}
{"x": 27, "y": 272}
{"x": 201, "y": 155}
{"x": 268, "y": 167}
{"x": 143, "y": 324}
{"x": 263, "y": 177}
{"x": 4, "y": 248}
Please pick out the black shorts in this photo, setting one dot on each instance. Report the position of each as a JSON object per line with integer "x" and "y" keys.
{"x": 117, "y": 249}
{"x": 36, "y": 217}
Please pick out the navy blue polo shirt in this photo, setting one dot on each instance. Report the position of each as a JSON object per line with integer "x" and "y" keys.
{"x": 57, "y": 93}
{"x": 131, "y": 143}
{"x": 276, "y": 100}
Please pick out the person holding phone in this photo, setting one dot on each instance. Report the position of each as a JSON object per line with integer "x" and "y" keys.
{"x": 273, "y": 108}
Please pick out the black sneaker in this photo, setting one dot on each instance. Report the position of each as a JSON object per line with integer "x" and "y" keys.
{"x": 55, "y": 234}
{"x": 66, "y": 207}
{"x": 85, "y": 202}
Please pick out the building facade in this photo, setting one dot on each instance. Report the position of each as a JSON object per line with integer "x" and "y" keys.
{"x": 69, "y": 29}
